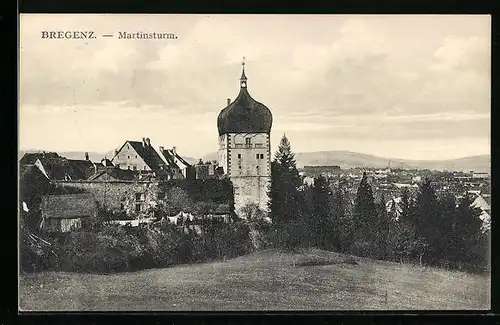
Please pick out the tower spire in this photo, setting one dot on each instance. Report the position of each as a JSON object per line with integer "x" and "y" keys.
{"x": 243, "y": 79}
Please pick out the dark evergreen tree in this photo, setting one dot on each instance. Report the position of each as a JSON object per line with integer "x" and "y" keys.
{"x": 344, "y": 223}
{"x": 382, "y": 229}
{"x": 404, "y": 242}
{"x": 428, "y": 221}
{"x": 365, "y": 218}
{"x": 468, "y": 234}
{"x": 308, "y": 216}
{"x": 447, "y": 245}
{"x": 323, "y": 225}
{"x": 285, "y": 199}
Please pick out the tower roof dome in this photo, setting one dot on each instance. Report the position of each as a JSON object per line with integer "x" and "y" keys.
{"x": 244, "y": 114}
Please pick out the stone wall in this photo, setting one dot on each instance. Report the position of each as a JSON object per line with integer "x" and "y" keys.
{"x": 248, "y": 165}
{"x": 136, "y": 197}
{"x": 250, "y": 190}
{"x": 131, "y": 197}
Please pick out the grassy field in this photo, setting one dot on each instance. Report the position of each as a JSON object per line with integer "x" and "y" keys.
{"x": 267, "y": 280}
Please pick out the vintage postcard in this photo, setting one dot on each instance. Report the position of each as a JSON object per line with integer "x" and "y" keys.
{"x": 254, "y": 162}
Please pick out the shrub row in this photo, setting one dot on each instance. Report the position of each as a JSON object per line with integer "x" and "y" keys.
{"x": 114, "y": 248}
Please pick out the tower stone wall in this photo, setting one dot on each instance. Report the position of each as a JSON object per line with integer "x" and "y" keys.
{"x": 246, "y": 159}
{"x": 245, "y": 149}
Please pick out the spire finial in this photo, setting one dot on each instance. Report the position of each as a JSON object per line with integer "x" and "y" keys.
{"x": 243, "y": 79}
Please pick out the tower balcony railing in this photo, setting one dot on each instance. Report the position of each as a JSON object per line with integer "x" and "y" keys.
{"x": 248, "y": 146}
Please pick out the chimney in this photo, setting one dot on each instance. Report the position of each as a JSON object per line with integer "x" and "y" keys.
{"x": 95, "y": 168}
{"x": 174, "y": 150}
{"x": 116, "y": 152}
{"x": 228, "y": 101}
{"x": 86, "y": 156}
{"x": 148, "y": 142}
{"x": 161, "y": 149}
{"x": 143, "y": 142}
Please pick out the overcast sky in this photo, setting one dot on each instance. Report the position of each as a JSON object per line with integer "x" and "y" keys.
{"x": 415, "y": 87}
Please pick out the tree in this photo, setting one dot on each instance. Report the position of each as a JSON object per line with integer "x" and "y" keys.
{"x": 365, "y": 218}
{"x": 285, "y": 199}
{"x": 252, "y": 212}
{"x": 467, "y": 234}
{"x": 382, "y": 229}
{"x": 179, "y": 199}
{"x": 323, "y": 225}
{"x": 259, "y": 227}
{"x": 404, "y": 242}
{"x": 427, "y": 220}
{"x": 345, "y": 226}
{"x": 447, "y": 246}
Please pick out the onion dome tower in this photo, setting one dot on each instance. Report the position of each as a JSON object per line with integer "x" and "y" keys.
{"x": 244, "y": 127}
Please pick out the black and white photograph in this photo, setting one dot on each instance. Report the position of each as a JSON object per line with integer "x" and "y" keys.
{"x": 251, "y": 162}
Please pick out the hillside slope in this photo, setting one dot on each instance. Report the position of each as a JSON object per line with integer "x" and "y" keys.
{"x": 267, "y": 280}
{"x": 347, "y": 159}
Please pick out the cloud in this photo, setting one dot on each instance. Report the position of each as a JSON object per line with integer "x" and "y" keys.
{"x": 342, "y": 76}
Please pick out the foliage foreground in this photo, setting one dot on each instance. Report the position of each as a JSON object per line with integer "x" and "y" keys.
{"x": 310, "y": 279}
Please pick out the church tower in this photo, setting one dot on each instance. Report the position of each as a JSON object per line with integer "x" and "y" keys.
{"x": 245, "y": 148}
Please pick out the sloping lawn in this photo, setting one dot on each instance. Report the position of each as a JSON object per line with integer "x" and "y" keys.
{"x": 267, "y": 280}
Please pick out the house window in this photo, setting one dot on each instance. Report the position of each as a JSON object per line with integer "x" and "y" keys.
{"x": 137, "y": 207}
{"x": 128, "y": 167}
{"x": 122, "y": 207}
{"x": 257, "y": 156}
{"x": 261, "y": 156}
{"x": 239, "y": 156}
{"x": 137, "y": 196}
{"x": 248, "y": 144}
{"x": 135, "y": 156}
{"x": 257, "y": 170}
{"x": 144, "y": 168}
{"x": 128, "y": 157}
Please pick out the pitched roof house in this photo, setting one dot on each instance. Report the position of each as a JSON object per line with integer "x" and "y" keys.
{"x": 393, "y": 206}
{"x": 59, "y": 168}
{"x": 114, "y": 174}
{"x": 30, "y": 158}
{"x": 483, "y": 202}
{"x": 136, "y": 155}
{"x": 32, "y": 184}
{"x": 63, "y": 213}
{"x": 175, "y": 161}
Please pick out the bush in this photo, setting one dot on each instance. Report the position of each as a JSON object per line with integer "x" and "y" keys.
{"x": 111, "y": 248}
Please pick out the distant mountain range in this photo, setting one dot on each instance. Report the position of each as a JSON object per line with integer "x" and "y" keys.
{"x": 347, "y": 159}
{"x": 344, "y": 159}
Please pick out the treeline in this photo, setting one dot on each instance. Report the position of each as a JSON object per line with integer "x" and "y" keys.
{"x": 106, "y": 248}
{"x": 424, "y": 228}
{"x": 211, "y": 190}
